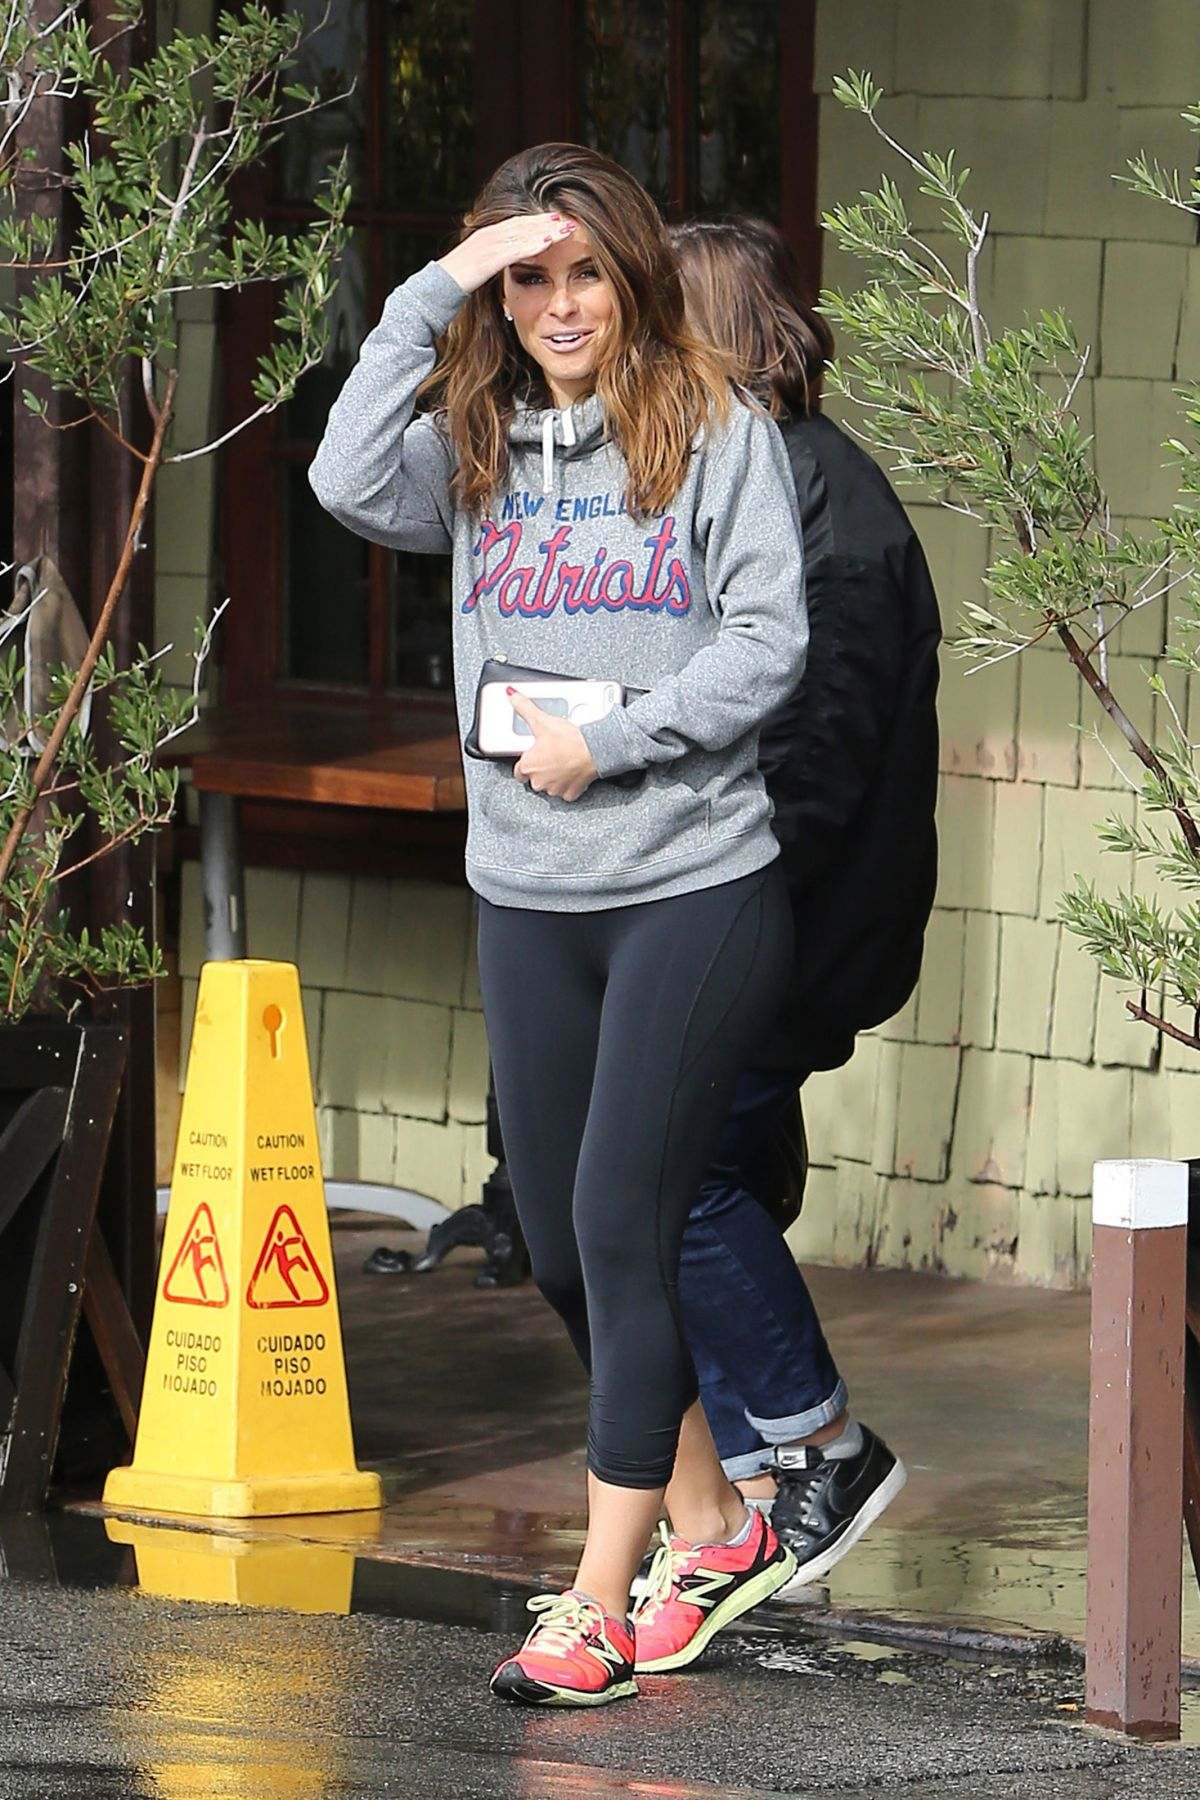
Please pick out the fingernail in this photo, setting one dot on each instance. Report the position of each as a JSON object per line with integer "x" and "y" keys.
{"x": 556, "y": 215}
{"x": 510, "y": 690}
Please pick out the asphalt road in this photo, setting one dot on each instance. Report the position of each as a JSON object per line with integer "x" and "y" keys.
{"x": 109, "y": 1694}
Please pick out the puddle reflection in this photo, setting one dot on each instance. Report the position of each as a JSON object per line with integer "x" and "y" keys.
{"x": 935, "y": 1575}
{"x": 188, "y": 1565}
{"x": 1189, "y": 1716}
{"x": 1035, "y": 1582}
{"x": 1011, "y": 1576}
{"x": 274, "y": 1573}
{"x": 203, "y": 1715}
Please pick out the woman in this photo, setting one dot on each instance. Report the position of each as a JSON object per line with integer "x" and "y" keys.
{"x": 851, "y": 766}
{"x": 615, "y": 512}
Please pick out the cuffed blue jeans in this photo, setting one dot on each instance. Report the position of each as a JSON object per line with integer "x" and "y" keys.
{"x": 765, "y": 1372}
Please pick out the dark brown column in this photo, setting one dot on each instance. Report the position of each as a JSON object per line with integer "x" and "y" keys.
{"x": 1135, "y": 1447}
{"x": 49, "y": 481}
{"x": 799, "y": 140}
{"x": 49, "y": 467}
{"x": 542, "y": 36}
{"x": 122, "y": 885}
{"x": 496, "y": 73}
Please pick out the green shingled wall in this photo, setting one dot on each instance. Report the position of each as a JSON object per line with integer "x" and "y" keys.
{"x": 975, "y": 1120}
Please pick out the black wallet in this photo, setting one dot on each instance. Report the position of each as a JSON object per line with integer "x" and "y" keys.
{"x": 496, "y": 670}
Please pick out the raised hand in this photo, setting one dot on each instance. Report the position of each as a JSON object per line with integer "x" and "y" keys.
{"x": 558, "y": 762}
{"x": 493, "y": 247}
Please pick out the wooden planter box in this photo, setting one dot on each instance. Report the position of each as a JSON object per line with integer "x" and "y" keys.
{"x": 59, "y": 1086}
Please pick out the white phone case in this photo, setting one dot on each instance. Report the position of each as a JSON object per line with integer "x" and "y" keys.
{"x": 502, "y": 732}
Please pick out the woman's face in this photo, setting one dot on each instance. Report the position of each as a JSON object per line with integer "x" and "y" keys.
{"x": 561, "y": 307}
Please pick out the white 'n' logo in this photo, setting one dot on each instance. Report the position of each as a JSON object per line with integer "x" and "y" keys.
{"x": 704, "y": 1587}
{"x": 609, "y": 1655}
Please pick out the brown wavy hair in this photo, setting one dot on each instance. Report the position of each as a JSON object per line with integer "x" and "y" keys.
{"x": 658, "y": 383}
{"x": 745, "y": 294}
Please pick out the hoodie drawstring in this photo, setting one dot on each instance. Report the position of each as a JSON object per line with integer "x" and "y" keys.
{"x": 548, "y": 453}
{"x": 568, "y": 429}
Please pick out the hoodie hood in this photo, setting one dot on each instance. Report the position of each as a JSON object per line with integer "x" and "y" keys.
{"x": 573, "y": 431}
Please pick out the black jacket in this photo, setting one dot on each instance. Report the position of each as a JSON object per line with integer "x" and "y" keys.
{"x": 851, "y": 760}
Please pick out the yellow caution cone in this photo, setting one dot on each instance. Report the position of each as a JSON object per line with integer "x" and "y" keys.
{"x": 244, "y": 1410}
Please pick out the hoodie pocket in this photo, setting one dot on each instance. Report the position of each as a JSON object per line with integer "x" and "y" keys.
{"x": 607, "y": 831}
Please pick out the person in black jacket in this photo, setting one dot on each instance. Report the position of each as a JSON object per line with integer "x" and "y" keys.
{"x": 851, "y": 766}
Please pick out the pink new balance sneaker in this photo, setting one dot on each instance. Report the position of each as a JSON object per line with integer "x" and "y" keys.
{"x": 695, "y": 1589}
{"x": 576, "y": 1654}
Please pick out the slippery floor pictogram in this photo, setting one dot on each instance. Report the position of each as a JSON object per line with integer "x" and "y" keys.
{"x": 287, "y": 1272}
{"x": 197, "y": 1275}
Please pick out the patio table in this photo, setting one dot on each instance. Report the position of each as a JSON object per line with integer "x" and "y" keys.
{"x": 320, "y": 755}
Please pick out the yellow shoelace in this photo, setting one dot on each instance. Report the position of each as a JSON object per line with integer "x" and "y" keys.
{"x": 565, "y": 1622}
{"x": 664, "y": 1571}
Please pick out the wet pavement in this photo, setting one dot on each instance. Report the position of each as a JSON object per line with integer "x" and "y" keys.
{"x": 939, "y": 1659}
{"x": 471, "y": 1404}
{"x": 107, "y": 1693}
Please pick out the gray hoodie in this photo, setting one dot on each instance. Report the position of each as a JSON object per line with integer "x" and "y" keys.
{"x": 702, "y": 606}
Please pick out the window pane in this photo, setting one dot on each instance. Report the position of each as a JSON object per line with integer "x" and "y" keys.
{"x": 333, "y": 60}
{"x": 419, "y": 609}
{"x": 737, "y": 158}
{"x": 623, "y": 61}
{"x": 428, "y": 105}
{"x": 421, "y": 623}
{"x": 349, "y": 323}
{"x": 325, "y": 588}
{"x": 324, "y": 568}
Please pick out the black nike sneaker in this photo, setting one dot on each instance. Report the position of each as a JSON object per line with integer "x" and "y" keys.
{"x": 824, "y": 1504}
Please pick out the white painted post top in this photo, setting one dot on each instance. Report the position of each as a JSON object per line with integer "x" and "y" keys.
{"x": 1140, "y": 1194}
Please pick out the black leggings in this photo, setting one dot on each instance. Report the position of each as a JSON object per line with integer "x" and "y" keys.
{"x": 617, "y": 1038}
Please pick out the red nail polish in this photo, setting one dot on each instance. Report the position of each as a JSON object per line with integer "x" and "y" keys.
{"x": 510, "y": 690}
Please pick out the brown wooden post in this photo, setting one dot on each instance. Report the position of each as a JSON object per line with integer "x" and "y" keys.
{"x": 122, "y": 884}
{"x": 1191, "y": 1374}
{"x": 799, "y": 137}
{"x": 49, "y": 467}
{"x": 71, "y": 496}
{"x": 1135, "y": 1447}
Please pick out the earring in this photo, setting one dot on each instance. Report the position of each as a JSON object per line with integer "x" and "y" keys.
{"x": 508, "y": 315}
